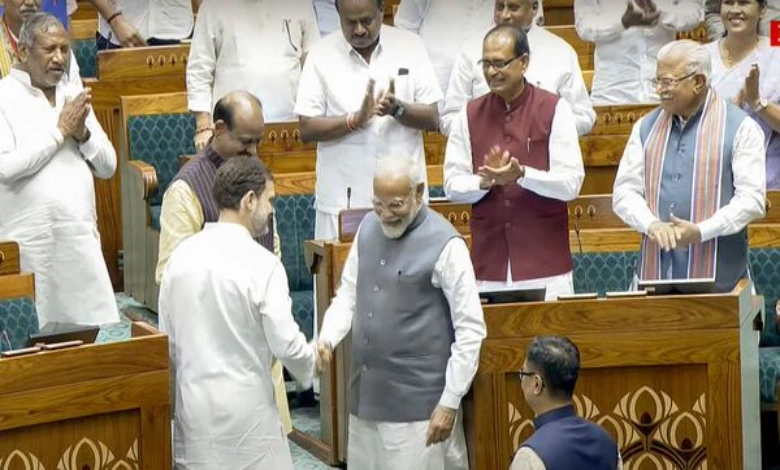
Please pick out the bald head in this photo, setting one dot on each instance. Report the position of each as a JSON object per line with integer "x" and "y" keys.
{"x": 238, "y": 124}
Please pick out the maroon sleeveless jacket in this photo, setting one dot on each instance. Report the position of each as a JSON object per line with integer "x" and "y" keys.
{"x": 512, "y": 223}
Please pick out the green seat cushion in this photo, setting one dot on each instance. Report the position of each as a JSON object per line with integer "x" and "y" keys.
{"x": 303, "y": 311}
{"x": 765, "y": 271}
{"x": 295, "y": 217}
{"x": 18, "y": 320}
{"x": 85, "y": 51}
{"x": 604, "y": 272}
{"x": 768, "y": 373}
{"x": 160, "y": 140}
{"x": 436, "y": 191}
{"x": 154, "y": 212}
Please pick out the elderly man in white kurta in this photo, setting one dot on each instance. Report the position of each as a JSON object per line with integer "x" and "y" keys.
{"x": 409, "y": 297}
{"x": 553, "y": 67}
{"x": 257, "y": 46}
{"x": 365, "y": 92}
{"x": 51, "y": 146}
{"x": 225, "y": 321}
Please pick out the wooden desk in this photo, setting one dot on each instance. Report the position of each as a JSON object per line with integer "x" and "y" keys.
{"x": 661, "y": 374}
{"x": 96, "y": 407}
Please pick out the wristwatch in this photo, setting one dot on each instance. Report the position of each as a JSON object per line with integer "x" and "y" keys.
{"x": 399, "y": 111}
{"x": 760, "y": 105}
{"x": 83, "y": 141}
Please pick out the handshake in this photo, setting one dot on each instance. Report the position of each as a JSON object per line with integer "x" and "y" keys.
{"x": 323, "y": 354}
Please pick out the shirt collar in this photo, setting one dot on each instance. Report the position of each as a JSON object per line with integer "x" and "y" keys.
{"x": 554, "y": 415}
{"x": 229, "y": 227}
{"x": 351, "y": 50}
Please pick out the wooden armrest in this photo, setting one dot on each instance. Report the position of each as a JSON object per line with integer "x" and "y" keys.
{"x": 148, "y": 176}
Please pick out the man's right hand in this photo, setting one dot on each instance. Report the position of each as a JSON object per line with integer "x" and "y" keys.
{"x": 646, "y": 15}
{"x": 126, "y": 33}
{"x": 324, "y": 354}
{"x": 368, "y": 108}
{"x": 74, "y": 115}
{"x": 663, "y": 234}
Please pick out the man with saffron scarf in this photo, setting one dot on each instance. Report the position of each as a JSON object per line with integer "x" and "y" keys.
{"x": 692, "y": 176}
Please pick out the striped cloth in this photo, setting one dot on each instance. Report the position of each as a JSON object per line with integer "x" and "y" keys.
{"x": 705, "y": 193}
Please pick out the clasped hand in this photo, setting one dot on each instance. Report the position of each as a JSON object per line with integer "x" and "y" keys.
{"x": 499, "y": 169}
{"x": 676, "y": 232}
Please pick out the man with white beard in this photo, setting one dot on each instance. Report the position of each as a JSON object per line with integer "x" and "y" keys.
{"x": 409, "y": 273}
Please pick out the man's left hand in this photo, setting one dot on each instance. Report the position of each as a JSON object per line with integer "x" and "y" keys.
{"x": 387, "y": 103}
{"x": 441, "y": 424}
{"x": 687, "y": 232}
{"x": 505, "y": 175}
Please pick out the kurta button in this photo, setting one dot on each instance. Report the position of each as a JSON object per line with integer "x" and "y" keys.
{"x": 370, "y": 314}
{"x": 672, "y": 205}
{"x": 365, "y": 368}
{"x": 508, "y": 117}
{"x": 382, "y": 262}
{"x": 677, "y": 177}
{"x": 508, "y": 225}
{"x": 376, "y": 288}
{"x": 507, "y": 203}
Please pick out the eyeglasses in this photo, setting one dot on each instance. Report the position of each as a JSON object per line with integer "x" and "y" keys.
{"x": 523, "y": 373}
{"x": 394, "y": 206}
{"x": 668, "y": 82}
{"x": 496, "y": 64}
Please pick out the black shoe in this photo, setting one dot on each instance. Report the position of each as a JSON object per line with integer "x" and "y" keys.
{"x": 304, "y": 399}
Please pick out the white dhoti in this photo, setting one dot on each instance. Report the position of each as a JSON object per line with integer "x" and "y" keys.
{"x": 378, "y": 445}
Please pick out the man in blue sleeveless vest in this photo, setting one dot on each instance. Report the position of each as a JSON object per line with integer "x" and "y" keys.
{"x": 409, "y": 295}
{"x": 692, "y": 176}
{"x": 562, "y": 440}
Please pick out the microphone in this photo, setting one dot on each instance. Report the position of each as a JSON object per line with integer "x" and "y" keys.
{"x": 349, "y": 195}
{"x": 577, "y": 216}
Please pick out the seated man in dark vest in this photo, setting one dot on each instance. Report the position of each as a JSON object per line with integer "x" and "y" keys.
{"x": 515, "y": 155}
{"x": 409, "y": 296}
{"x": 188, "y": 203}
{"x": 562, "y": 440}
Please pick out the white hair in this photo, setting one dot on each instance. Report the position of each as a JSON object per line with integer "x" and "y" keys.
{"x": 38, "y": 23}
{"x": 697, "y": 58}
{"x": 393, "y": 167}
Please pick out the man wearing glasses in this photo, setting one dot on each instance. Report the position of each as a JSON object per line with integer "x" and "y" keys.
{"x": 692, "y": 176}
{"x": 409, "y": 296}
{"x": 553, "y": 66}
{"x": 514, "y": 154}
{"x": 561, "y": 438}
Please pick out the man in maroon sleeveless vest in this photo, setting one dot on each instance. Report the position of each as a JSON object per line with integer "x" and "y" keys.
{"x": 514, "y": 154}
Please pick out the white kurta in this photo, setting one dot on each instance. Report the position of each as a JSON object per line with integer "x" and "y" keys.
{"x": 562, "y": 181}
{"x": 47, "y": 202}
{"x": 226, "y": 320}
{"x": 160, "y": 19}
{"x": 255, "y": 46}
{"x": 333, "y": 83}
{"x": 625, "y": 59}
{"x": 374, "y": 442}
{"x": 553, "y": 67}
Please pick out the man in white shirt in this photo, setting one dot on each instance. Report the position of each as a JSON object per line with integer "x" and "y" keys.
{"x": 257, "y": 46}
{"x": 409, "y": 297}
{"x": 353, "y": 127}
{"x": 226, "y": 320}
{"x": 693, "y": 219}
{"x": 553, "y": 67}
{"x": 628, "y": 35}
{"x": 51, "y": 146}
{"x": 137, "y": 23}
{"x": 517, "y": 171}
